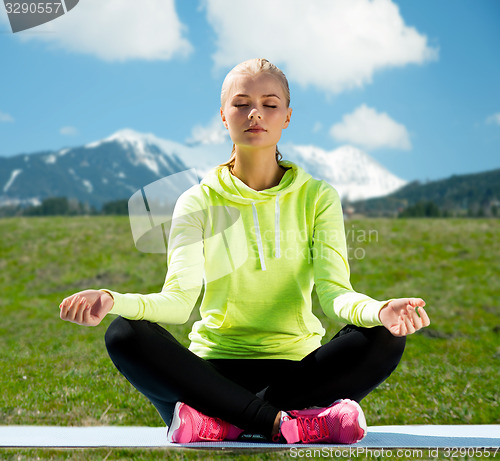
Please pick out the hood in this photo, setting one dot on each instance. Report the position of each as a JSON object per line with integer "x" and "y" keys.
{"x": 233, "y": 189}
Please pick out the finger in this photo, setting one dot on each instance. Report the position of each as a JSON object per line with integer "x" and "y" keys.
{"x": 63, "y": 311}
{"x": 424, "y": 317}
{"x": 416, "y": 302}
{"x": 402, "y": 326}
{"x": 410, "y": 329}
{"x": 70, "y": 310}
{"x": 83, "y": 307}
{"x": 64, "y": 303}
{"x": 65, "y": 306}
{"x": 75, "y": 309}
{"x": 68, "y": 300}
{"x": 415, "y": 318}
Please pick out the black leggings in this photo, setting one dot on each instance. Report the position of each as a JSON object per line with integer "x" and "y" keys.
{"x": 249, "y": 393}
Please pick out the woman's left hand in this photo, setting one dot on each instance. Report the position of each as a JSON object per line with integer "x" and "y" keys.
{"x": 404, "y": 316}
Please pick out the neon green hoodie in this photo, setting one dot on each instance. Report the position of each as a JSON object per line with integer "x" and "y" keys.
{"x": 259, "y": 254}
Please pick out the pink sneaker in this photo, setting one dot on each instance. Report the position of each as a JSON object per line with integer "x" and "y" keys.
{"x": 341, "y": 422}
{"x": 189, "y": 425}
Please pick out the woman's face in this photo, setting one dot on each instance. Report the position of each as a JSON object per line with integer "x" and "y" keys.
{"x": 255, "y": 111}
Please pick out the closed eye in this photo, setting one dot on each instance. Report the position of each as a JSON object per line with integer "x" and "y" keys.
{"x": 271, "y": 106}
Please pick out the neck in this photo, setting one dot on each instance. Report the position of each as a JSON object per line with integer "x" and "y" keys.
{"x": 259, "y": 170}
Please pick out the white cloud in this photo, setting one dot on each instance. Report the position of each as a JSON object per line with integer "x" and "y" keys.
{"x": 4, "y": 117}
{"x": 334, "y": 45}
{"x": 213, "y": 133}
{"x": 494, "y": 119}
{"x": 117, "y": 30}
{"x": 68, "y": 131}
{"x": 371, "y": 129}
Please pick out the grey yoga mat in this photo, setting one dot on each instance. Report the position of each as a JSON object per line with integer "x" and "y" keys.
{"x": 426, "y": 436}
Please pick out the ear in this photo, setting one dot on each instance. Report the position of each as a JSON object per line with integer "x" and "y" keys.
{"x": 223, "y": 117}
{"x": 287, "y": 119}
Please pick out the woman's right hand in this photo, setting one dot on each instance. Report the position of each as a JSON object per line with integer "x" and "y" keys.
{"x": 87, "y": 307}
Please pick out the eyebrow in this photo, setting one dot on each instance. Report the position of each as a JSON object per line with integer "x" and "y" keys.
{"x": 263, "y": 96}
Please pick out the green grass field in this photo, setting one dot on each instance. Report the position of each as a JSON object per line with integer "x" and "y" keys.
{"x": 57, "y": 373}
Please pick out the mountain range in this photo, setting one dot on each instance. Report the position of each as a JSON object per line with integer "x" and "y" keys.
{"x": 475, "y": 194}
{"x": 121, "y": 164}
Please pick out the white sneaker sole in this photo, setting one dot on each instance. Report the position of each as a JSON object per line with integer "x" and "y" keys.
{"x": 361, "y": 419}
{"x": 175, "y": 424}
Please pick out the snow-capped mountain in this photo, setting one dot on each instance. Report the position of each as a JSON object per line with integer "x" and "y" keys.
{"x": 118, "y": 166}
{"x": 353, "y": 173}
{"x": 111, "y": 169}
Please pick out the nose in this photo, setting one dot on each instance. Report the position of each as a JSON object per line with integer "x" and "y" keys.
{"x": 254, "y": 113}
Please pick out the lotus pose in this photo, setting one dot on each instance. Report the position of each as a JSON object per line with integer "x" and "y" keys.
{"x": 258, "y": 233}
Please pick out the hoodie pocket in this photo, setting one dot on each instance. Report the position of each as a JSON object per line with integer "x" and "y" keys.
{"x": 262, "y": 318}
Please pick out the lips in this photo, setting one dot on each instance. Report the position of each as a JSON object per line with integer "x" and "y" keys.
{"x": 255, "y": 129}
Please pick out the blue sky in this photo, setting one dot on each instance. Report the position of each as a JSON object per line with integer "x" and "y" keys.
{"x": 413, "y": 84}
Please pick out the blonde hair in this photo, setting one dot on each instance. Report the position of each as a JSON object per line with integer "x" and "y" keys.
{"x": 253, "y": 67}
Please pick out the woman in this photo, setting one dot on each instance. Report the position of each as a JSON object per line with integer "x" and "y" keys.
{"x": 258, "y": 232}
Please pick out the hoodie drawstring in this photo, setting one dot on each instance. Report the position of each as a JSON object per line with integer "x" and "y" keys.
{"x": 259, "y": 239}
{"x": 277, "y": 252}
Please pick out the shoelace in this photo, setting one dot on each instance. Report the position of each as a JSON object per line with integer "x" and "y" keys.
{"x": 312, "y": 429}
{"x": 212, "y": 429}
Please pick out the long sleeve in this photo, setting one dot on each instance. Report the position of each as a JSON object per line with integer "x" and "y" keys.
{"x": 184, "y": 279}
{"x": 331, "y": 267}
